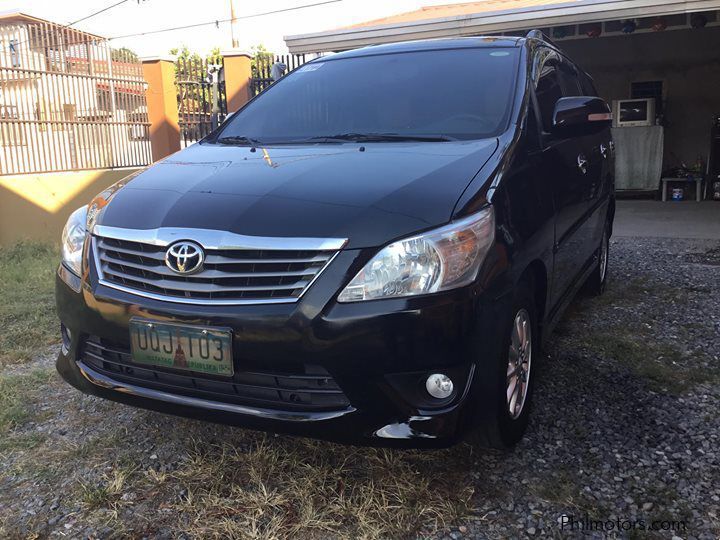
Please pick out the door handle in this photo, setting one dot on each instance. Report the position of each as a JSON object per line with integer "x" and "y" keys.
{"x": 603, "y": 151}
{"x": 582, "y": 163}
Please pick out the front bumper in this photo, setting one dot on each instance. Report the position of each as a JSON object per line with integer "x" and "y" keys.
{"x": 378, "y": 353}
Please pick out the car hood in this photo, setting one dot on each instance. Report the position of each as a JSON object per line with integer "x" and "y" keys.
{"x": 369, "y": 194}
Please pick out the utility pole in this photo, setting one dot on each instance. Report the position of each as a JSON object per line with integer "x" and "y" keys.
{"x": 233, "y": 22}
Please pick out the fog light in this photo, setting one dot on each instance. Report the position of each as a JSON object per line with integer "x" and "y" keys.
{"x": 439, "y": 386}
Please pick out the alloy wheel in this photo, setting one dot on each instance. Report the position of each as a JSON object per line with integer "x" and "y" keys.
{"x": 519, "y": 360}
{"x": 603, "y": 256}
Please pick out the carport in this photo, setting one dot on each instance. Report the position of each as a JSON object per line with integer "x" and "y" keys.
{"x": 667, "y": 51}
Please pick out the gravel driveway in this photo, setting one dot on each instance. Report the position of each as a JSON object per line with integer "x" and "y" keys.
{"x": 625, "y": 433}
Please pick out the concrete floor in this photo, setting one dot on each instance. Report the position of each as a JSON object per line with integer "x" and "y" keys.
{"x": 685, "y": 219}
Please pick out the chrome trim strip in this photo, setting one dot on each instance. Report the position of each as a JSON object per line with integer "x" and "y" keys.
{"x": 196, "y": 287}
{"x": 212, "y": 239}
{"x": 163, "y": 270}
{"x": 158, "y": 395}
{"x": 200, "y": 301}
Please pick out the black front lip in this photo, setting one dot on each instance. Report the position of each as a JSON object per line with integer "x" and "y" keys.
{"x": 437, "y": 429}
{"x": 104, "y": 381}
{"x": 378, "y": 352}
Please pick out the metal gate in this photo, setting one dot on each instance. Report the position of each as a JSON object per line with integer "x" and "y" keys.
{"x": 68, "y": 101}
{"x": 202, "y": 101}
{"x": 262, "y": 68}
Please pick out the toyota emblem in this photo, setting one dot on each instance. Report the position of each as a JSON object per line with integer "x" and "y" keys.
{"x": 185, "y": 258}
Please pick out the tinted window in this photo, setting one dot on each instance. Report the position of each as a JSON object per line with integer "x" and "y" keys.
{"x": 570, "y": 81}
{"x": 548, "y": 92}
{"x": 463, "y": 93}
{"x": 587, "y": 86}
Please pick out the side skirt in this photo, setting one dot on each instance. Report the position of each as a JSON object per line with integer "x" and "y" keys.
{"x": 558, "y": 310}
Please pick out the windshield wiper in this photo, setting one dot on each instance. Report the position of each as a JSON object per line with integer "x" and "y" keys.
{"x": 381, "y": 137}
{"x": 238, "y": 140}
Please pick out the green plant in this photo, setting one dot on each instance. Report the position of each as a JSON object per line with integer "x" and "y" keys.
{"x": 27, "y": 317}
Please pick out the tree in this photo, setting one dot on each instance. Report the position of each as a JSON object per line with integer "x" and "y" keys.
{"x": 261, "y": 57}
{"x": 123, "y": 54}
{"x": 214, "y": 56}
{"x": 184, "y": 57}
{"x": 192, "y": 80}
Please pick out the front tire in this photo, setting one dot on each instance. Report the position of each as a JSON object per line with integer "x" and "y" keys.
{"x": 514, "y": 374}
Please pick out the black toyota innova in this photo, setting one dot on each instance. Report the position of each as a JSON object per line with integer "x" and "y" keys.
{"x": 370, "y": 251}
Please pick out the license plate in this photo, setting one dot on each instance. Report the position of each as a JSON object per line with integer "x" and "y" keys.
{"x": 178, "y": 346}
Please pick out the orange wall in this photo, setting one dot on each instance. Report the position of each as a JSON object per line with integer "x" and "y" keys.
{"x": 162, "y": 107}
{"x": 237, "y": 79}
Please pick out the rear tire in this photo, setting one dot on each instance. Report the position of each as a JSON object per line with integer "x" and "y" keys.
{"x": 597, "y": 281}
{"x": 514, "y": 374}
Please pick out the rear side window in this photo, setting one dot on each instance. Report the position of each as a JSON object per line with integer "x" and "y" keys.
{"x": 588, "y": 87}
{"x": 570, "y": 81}
{"x": 548, "y": 92}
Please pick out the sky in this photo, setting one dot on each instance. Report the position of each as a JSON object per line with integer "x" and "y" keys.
{"x": 137, "y": 16}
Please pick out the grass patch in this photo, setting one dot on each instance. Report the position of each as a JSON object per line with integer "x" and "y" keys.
{"x": 564, "y": 488}
{"x": 660, "y": 364}
{"x": 22, "y": 441}
{"x": 281, "y": 487}
{"x": 632, "y": 294}
{"x": 561, "y": 488}
{"x": 27, "y": 316}
{"x": 17, "y": 395}
{"x": 107, "y": 491}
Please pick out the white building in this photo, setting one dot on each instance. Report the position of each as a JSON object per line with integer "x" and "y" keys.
{"x": 67, "y": 100}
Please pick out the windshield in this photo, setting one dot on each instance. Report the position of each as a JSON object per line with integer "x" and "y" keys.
{"x": 426, "y": 95}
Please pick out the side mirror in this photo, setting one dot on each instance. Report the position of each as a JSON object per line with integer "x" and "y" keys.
{"x": 581, "y": 114}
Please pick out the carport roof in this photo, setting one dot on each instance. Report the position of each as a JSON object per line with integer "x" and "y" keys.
{"x": 493, "y": 16}
{"x": 451, "y": 10}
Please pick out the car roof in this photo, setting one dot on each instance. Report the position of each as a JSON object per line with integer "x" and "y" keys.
{"x": 431, "y": 44}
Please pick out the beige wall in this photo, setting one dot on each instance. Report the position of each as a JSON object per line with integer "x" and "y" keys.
{"x": 688, "y": 61}
{"x": 36, "y": 206}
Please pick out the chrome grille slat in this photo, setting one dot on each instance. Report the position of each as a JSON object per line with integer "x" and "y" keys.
{"x": 268, "y": 270}
{"x": 218, "y": 259}
{"x": 163, "y": 270}
{"x": 186, "y": 286}
{"x": 159, "y": 255}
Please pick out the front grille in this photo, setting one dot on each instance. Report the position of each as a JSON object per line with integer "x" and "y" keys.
{"x": 229, "y": 276}
{"x": 314, "y": 390}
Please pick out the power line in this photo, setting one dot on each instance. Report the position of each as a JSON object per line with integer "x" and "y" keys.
{"x": 218, "y": 21}
{"x": 86, "y": 17}
{"x": 103, "y": 10}
{"x": 208, "y": 23}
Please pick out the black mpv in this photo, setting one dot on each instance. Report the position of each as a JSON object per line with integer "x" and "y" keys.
{"x": 370, "y": 251}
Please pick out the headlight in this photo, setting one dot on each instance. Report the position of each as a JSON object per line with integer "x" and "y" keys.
{"x": 73, "y": 238}
{"x": 438, "y": 260}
